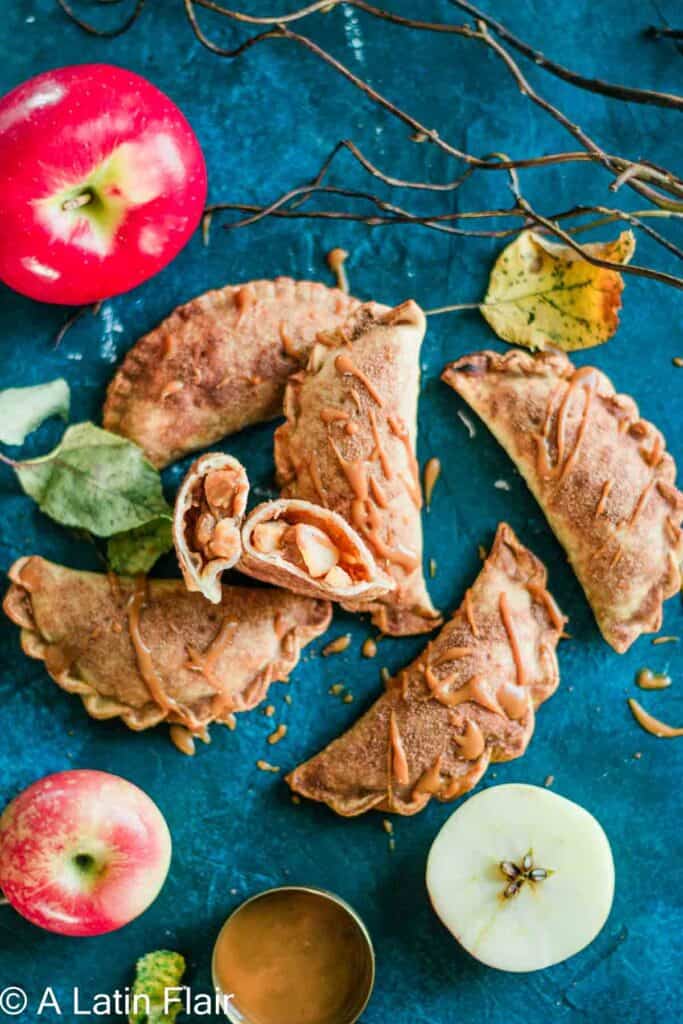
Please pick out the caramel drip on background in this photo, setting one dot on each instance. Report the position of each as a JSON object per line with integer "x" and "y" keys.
{"x": 649, "y": 680}
{"x": 379, "y": 451}
{"x": 651, "y": 724}
{"x": 314, "y": 470}
{"x": 513, "y": 700}
{"x": 469, "y": 613}
{"x": 330, "y": 415}
{"x": 544, "y": 597}
{"x": 506, "y": 617}
{"x": 432, "y": 471}
{"x": 430, "y": 780}
{"x": 143, "y": 655}
{"x": 399, "y": 430}
{"x": 604, "y": 495}
{"x": 344, "y": 364}
{"x": 287, "y": 343}
{"x": 399, "y": 762}
{"x": 471, "y": 742}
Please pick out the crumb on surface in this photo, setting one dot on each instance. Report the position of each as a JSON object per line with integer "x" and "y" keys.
{"x": 549, "y": 779}
{"x": 264, "y": 766}
{"x": 269, "y": 710}
{"x": 336, "y": 689}
{"x": 348, "y": 698}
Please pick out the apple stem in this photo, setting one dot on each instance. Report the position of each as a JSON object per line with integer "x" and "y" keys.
{"x": 77, "y": 202}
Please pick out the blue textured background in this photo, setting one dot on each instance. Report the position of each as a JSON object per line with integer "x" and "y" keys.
{"x": 265, "y": 123}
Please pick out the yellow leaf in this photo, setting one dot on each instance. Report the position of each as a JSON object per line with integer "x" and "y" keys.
{"x": 542, "y": 293}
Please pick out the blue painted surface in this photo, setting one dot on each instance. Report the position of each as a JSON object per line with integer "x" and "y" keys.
{"x": 265, "y": 123}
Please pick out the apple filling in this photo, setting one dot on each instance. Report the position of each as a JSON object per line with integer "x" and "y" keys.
{"x": 307, "y": 547}
{"x": 210, "y": 528}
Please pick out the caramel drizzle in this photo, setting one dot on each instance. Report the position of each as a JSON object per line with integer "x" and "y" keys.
{"x": 640, "y": 504}
{"x": 604, "y": 495}
{"x": 206, "y": 664}
{"x": 655, "y": 455}
{"x": 430, "y": 781}
{"x": 143, "y": 656}
{"x": 397, "y": 556}
{"x": 474, "y": 690}
{"x": 506, "y": 617}
{"x": 453, "y": 654}
{"x": 398, "y": 429}
{"x": 378, "y": 494}
{"x": 314, "y": 470}
{"x": 345, "y": 365}
{"x": 514, "y": 700}
{"x": 651, "y": 724}
{"x": 585, "y": 380}
{"x": 379, "y": 451}
{"x": 244, "y": 301}
{"x": 469, "y": 614}
{"x": 355, "y": 472}
{"x": 541, "y": 596}
{"x": 287, "y": 343}
{"x": 330, "y": 415}
{"x": 471, "y": 743}
{"x": 399, "y": 761}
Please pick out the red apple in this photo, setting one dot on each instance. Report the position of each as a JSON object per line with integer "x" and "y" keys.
{"x": 82, "y": 852}
{"x": 103, "y": 182}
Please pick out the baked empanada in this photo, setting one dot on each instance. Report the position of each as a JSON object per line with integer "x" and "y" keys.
{"x": 207, "y": 520}
{"x": 467, "y": 700}
{"x": 149, "y": 651}
{"x": 349, "y": 445}
{"x": 218, "y": 364}
{"x": 600, "y": 473}
{"x": 294, "y": 544}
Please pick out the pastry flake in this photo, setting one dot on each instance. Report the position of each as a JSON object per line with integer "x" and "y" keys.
{"x": 149, "y": 651}
{"x": 218, "y": 364}
{"x": 349, "y": 445}
{"x": 600, "y": 473}
{"x": 469, "y": 698}
{"x": 207, "y": 518}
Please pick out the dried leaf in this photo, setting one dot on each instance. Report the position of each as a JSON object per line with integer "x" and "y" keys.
{"x": 136, "y": 551}
{"x": 22, "y": 410}
{"x": 95, "y": 481}
{"x": 542, "y": 293}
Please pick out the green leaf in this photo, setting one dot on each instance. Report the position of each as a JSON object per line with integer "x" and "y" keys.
{"x": 22, "y": 410}
{"x": 136, "y": 551}
{"x": 95, "y": 481}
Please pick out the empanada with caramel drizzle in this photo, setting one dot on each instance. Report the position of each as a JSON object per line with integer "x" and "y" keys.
{"x": 218, "y": 364}
{"x": 294, "y": 544}
{"x": 600, "y": 473}
{"x": 349, "y": 445}
{"x": 469, "y": 699}
{"x": 149, "y": 651}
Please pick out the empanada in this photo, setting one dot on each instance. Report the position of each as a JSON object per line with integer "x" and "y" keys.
{"x": 467, "y": 700}
{"x": 207, "y": 520}
{"x": 600, "y": 473}
{"x": 149, "y": 651}
{"x": 294, "y": 544}
{"x": 349, "y": 445}
{"x": 218, "y": 364}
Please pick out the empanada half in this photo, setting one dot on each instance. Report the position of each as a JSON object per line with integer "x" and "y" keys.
{"x": 349, "y": 445}
{"x": 467, "y": 700}
{"x": 218, "y": 364}
{"x": 150, "y": 651}
{"x": 600, "y": 473}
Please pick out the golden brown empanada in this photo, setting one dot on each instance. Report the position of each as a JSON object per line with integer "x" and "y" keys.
{"x": 349, "y": 445}
{"x": 600, "y": 473}
{"x": 207, "y": 520}
{"x": 294, "y": 544}
{"x": 467, "y": 700}
{"x": 218, "y": 364}
{"x": 149, "y": 651}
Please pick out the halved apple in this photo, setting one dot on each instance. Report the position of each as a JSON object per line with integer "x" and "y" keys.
{"x": 522, "y": 877}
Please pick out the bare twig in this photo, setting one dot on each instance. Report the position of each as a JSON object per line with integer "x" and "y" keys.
{"x": 93, "y": 30}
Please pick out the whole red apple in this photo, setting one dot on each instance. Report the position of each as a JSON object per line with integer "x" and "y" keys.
{"x": 82, "y": 852}
{"x": 103, "y": 182}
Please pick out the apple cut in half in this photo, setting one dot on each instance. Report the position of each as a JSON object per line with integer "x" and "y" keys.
{"x": 522, "y": 877}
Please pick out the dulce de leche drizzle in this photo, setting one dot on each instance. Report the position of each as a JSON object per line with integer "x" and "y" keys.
{"x": 651, "y": 724}
{"x": 583, "y": 381}
{"x": 399, "y": 762}
{"x": 344, "y": 364}
{"x": 649, "y": 680}
{"x": 506, "y": 617}
{"x": 143, "y": 655}
{"x": 472, "y": 742}
{"x": 206, "y": 664}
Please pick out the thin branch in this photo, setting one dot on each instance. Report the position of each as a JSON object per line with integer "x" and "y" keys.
{"x": 111, "y": 33}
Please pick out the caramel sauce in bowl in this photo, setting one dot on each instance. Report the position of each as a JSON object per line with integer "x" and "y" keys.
{"x": 294, "y": 955}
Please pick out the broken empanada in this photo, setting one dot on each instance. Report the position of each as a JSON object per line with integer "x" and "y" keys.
{"x": 467, "y": 700}
{"x": 218, "y": 364}
{"x": 349, "y": 445}
{"x": 149, "y": 651}
{"x": 600, "y": 473}
{"x": 207, "y": 520}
